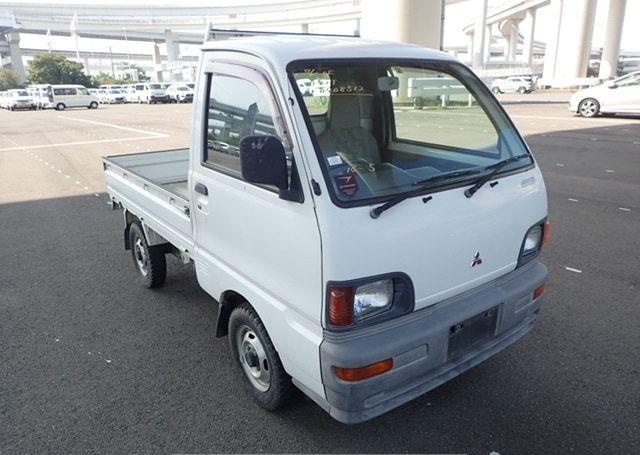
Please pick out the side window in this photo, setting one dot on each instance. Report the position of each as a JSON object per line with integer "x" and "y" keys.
{"x": 58, "y": 91}
{"x": 236, "y": 108}
{"x": 70, "y": 91}
{"x": 629, "y": 81}
{"x": 82, "y": 91}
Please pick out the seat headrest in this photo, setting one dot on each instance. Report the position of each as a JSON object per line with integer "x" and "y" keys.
{"x": 345, "y": 111}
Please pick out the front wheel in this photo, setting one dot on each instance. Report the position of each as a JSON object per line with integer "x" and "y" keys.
{"x": 589, "y": 107}
{"x": 496, "y": 90}
{"x": 257, "y": 359}
{"x": 150, "y": 261}
{"x": 522, "y": 90}
{"x": 93, "y": 105}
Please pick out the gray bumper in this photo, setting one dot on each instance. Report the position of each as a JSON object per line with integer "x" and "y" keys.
{"x": 418, "y": 344}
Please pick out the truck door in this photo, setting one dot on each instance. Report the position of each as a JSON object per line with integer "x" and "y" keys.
{"x": 248, "y": 239}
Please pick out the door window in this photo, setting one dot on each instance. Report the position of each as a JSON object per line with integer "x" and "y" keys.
{"x": 236, "y": 108}
{"x": 83, "y": 91}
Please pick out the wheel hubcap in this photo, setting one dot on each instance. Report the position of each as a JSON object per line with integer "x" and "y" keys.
{"x": 253, "y": 358}
{"x": 588, "y": 108}
{"x": 141, "y": 257}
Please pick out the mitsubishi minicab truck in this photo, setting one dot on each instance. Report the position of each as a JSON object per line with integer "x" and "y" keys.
{"x": 360, "y": 249}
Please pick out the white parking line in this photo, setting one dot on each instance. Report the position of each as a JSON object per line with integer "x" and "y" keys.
{"x": 624, "y": 209}
{"x": 135, "y": 130}
{"x": 65, "y": 144}
{"x": 571, "y": 269}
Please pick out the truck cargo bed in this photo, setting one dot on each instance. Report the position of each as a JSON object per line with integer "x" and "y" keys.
{"x": 153, "y": 186}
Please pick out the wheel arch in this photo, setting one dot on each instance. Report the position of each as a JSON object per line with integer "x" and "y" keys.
{"x": 228, "y": 301}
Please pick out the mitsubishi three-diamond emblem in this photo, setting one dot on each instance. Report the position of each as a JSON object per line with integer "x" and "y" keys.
{"x": 477, "y": 260}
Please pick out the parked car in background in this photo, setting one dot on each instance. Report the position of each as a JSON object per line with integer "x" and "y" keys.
{"x": 41, "y": 95}
{"x": 65, "y": 96}
{"x": 113, "y": 96}
{"x": 180, "y": 93}
{"x": 112, "y": 87}
{"x": 151, "y": 93}
{"x": 619, "y": 96}
{"x": 520, "y": 84}
{"x": 3, "y": 99}
{"x": 19, "y": 99}
{"x": 130, "y": 93}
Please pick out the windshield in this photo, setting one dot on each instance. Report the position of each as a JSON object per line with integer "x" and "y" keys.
{"x": 382, "y": 128}
{"x": 155, "y": 86}
{"x": 19, "y": 93}
{"x": 115, "y": 92}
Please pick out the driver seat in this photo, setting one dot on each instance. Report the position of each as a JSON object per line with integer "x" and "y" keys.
{"x": 345, "y": 135}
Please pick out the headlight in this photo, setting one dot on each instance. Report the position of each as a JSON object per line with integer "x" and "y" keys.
{"x": 532, "y": 241}
{"x": 367, "y": 301}
{"x": 536, "y": 237}
{"x": 372, "y": 298}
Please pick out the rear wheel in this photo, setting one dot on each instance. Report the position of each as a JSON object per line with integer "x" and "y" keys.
{"x": 257, "y": 359}
{"x": 60, "y": 107}
{"x": 93, "y": 105}
{"x": 522, "y": 90}
{"x": 150, "y": 261}
{"x": 589, "y": 107}
{"x": 496, "y": 90}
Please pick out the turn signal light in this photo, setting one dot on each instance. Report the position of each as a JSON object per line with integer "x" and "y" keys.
{"x": 369, "y": 371}
{"x": 538, "y": 292}
{"x": 341, "y": 306}
{"x": 546, "y": 237}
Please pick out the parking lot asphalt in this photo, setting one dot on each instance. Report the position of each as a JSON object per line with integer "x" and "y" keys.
{"x": 92, "y": 362}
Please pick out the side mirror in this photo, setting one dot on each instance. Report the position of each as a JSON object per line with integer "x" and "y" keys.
{"x": 264, "y": 162}
{"x": 612, "y": 85}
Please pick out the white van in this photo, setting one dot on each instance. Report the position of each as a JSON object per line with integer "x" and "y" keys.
{"x": 151, "y": 93}
{"x": 130, "y": 93}
{"x": 359, "y": 249}
{"x": 65, "y": 96}
{"x": 41, "y": 95}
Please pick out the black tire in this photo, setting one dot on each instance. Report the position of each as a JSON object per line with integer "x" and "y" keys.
{"x": 589, "y": 107}
{"x": 496, "y": 90}
{"x": 149, "y": 261}
{"x": 244, "y": 322}
{"x": 60, "y": 107}
{"x": 522, "y": 90}
{"x": 93, "y": 105}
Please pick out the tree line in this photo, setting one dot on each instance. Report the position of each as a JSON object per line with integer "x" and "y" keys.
{"x": 52, "y": 68}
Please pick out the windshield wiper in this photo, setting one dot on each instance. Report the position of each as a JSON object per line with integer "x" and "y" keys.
{"x": 494, "y": 168}
{"x": 447, "y": 175}
{"x": 423, "y": 185}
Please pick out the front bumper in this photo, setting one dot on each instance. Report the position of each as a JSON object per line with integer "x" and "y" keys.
{"x": 418, "y": 344}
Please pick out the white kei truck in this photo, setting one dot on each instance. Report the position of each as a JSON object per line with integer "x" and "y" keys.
{"x": 359, "y": 249}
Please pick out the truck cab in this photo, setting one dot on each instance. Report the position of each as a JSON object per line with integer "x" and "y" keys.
{"x": 359, "y": 248}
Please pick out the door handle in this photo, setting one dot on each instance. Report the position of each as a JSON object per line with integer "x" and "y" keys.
{"x": 200, "y": 188}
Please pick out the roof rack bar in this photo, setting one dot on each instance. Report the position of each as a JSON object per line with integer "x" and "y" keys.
{"x": 219, "y": 33}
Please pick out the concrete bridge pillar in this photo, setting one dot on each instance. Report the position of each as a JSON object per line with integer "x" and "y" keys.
{"x": 407, "y": 21}
{"x": 613, "y": 34}
{"x": 574, "y": 39}
{"x": 16, "y": 55}
{"x": 157, "y": 63}
{"x": 551, "y": 51}
{"x": 529, "y": 31}
{"x": 479, "y": 39}
{"x": 173, "y": 48}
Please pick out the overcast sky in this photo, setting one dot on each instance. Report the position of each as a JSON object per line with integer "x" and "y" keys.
{"x": 456, "y": 17}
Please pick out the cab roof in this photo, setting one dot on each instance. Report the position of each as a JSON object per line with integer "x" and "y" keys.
{"x": 280, "y": 50}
